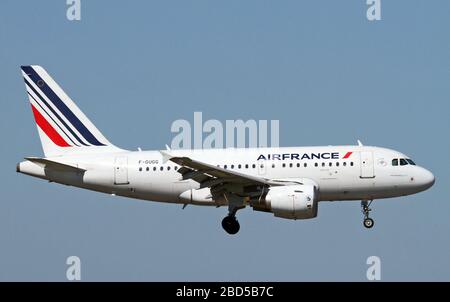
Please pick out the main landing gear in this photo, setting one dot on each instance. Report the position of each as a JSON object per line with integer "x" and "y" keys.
{"x": 230, "y": 223}
{"x": 367, "y": 222}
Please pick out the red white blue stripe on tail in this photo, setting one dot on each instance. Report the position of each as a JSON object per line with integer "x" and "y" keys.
{"x": 56, "y": 115}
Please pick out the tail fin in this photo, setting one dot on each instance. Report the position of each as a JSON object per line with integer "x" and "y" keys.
{"x": 63, "y": 128}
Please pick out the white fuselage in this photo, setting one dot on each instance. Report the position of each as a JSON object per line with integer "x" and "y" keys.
{"x": 339, "y": 172}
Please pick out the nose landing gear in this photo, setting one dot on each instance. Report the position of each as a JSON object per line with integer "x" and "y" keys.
{"x": 365, "y": 205}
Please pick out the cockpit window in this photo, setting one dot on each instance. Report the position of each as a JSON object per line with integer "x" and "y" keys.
{"x": 410, "y": 162}
{"x": 402, "y": 162}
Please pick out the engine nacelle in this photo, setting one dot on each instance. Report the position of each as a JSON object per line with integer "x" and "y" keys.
{"x": 202, "y": 197}
{"x": 292, "y": 202}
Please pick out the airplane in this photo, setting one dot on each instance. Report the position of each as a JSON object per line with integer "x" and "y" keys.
{"x": 288, "y": 182}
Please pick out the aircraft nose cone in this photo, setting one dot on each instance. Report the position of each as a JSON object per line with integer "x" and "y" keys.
{"x": 426, "y": 179}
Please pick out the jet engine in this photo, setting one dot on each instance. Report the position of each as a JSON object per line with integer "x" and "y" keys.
{"x": 291, "y": 202}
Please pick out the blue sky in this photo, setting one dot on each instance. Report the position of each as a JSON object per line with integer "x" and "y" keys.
{"x": 330, "y": 77}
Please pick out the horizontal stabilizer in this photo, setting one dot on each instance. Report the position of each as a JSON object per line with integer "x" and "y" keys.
{"x": 54, "y": 165}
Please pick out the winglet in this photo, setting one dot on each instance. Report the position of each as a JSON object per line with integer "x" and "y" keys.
{"x": 359, "y": 143}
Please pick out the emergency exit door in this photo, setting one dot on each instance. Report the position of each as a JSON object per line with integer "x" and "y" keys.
{"x": 121, "y": 171}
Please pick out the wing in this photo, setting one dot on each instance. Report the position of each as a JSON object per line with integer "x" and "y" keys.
{"x": 202, "y": 172}
{"x": 228, "y": 186}
{"x": 221, "y": 180}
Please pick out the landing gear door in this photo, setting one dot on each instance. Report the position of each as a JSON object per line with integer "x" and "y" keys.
{"x": 366, "y": 164}
{"x": 121, "y": 171}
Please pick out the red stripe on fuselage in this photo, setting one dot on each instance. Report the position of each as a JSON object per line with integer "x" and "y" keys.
{"x": 48, "y": 129}
{"x": 347, "y": 155}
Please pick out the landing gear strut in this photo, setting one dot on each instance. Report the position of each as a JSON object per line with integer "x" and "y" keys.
{"x": 230, "y": 223}
{"x": 365, "y": 205}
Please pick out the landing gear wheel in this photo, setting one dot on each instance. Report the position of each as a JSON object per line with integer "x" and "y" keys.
{"x": 230, "y": 225}
{"x": 368, "y": 222}
{"x": 365, "y": 205}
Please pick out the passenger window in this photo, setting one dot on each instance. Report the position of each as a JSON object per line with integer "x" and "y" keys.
{"x": 298, "y": 165}
{"x": 345, "y": 163}
{"x": 239, "y": 166}
{"x": 395, "y": 162}
{"x": 305, "y": 165}
{"x": 246, "y": 166}
{"x": 147, "y": 169}
{"x": 284, "y": 165}
{"x": 351, "y": 163}
{"x": 330, "y": 164}
{"x": 253, "y": 166}
{"x": 225, "y": 166}
{"x": 161, "y": 168}
{"x": 273, "y": 165}
{"x": 232, "y": 166}
{"x": 337, "y": 164}
{"x": 403, "y": 162}
{"x": 323, "y": 164}
{"x": 175, "y": 168}
{"x": 168, "y": 168}
{"x": 140, "y": 169}
{"x": 316, "y": 164}
{"x": 154, "y": 168}
{"x": 290, "y": 165}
